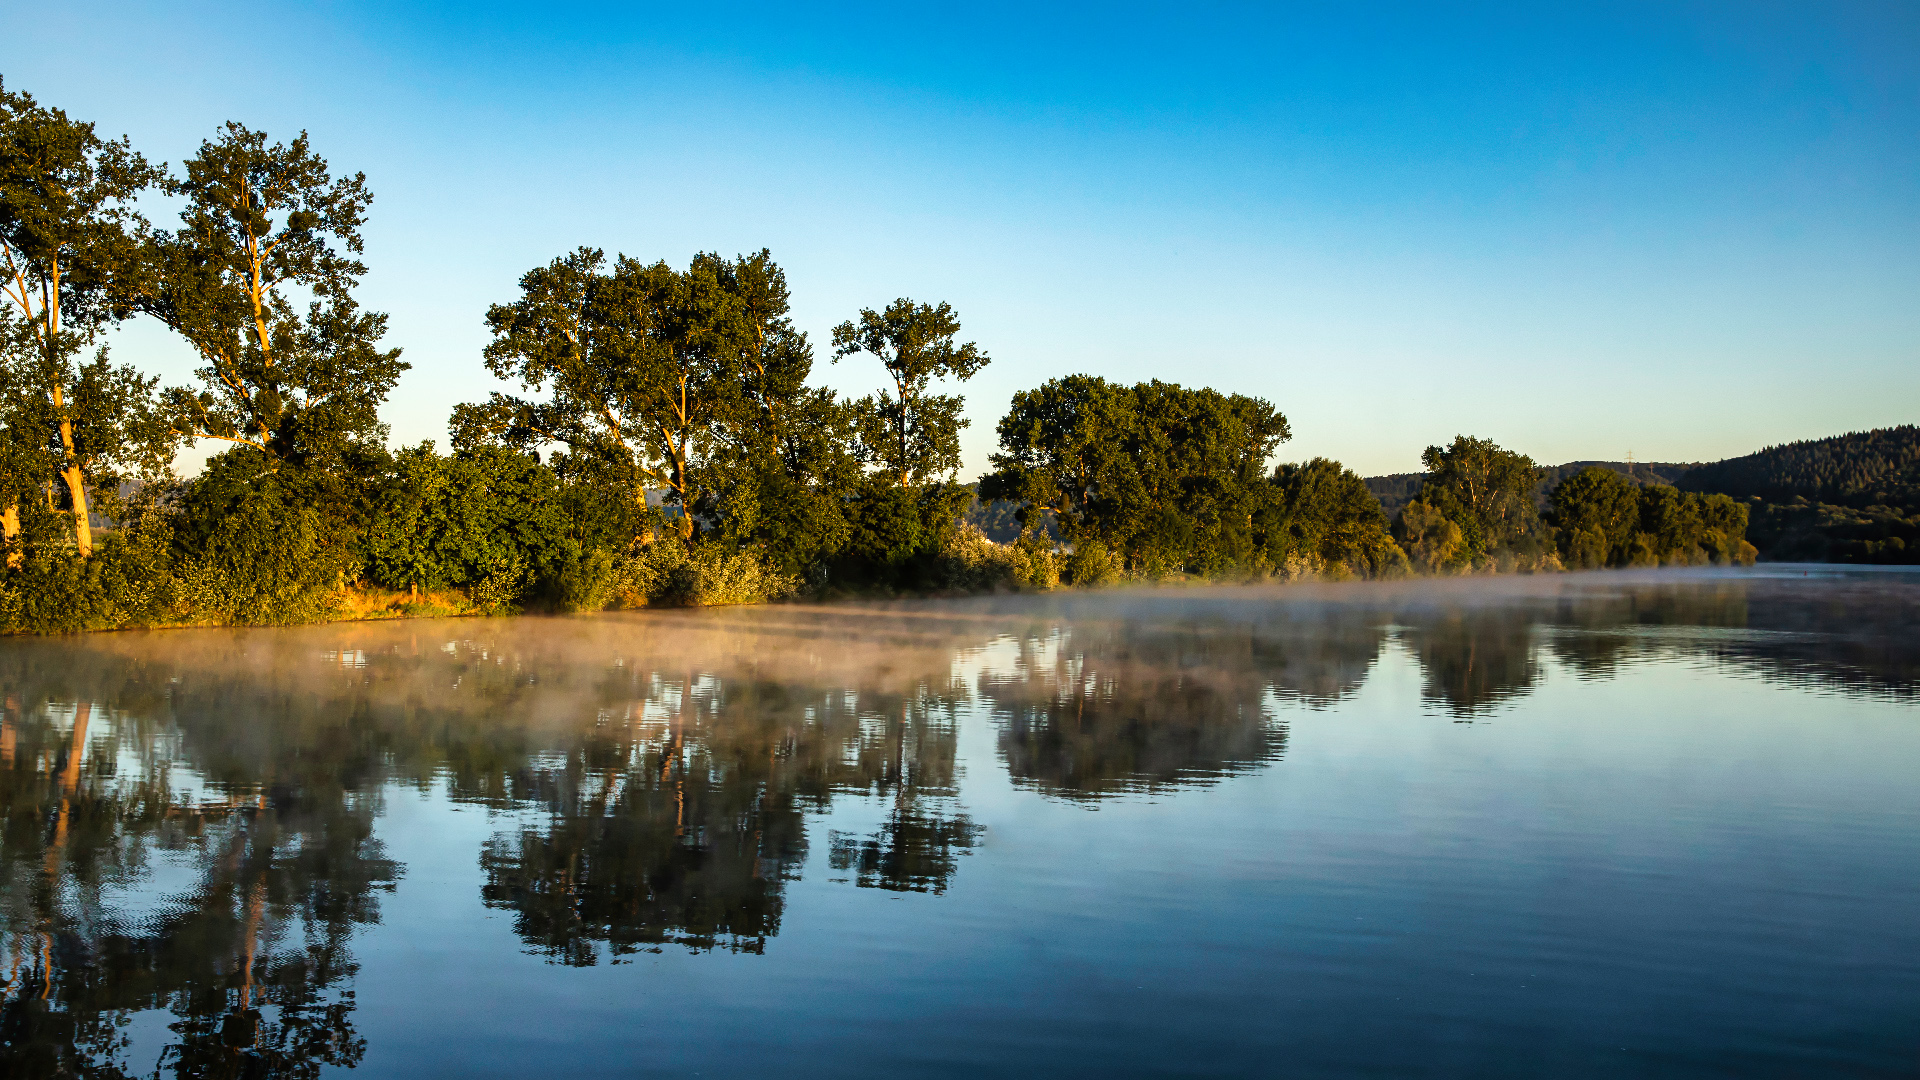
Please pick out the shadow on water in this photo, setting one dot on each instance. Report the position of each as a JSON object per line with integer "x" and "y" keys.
{"x": 190, "y": 817}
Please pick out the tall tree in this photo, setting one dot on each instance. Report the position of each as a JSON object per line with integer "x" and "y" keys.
{"x": 1485, "y": 490}
{"x": 66, "y": 238}
{"x": 262, "y": 223}
{"x": 785, "y": 467}
{"x": 911, "y": 434}
{"x": 643, "y": 366}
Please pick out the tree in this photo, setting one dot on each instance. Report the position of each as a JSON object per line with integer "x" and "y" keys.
{"x": 1167, "y": 476}
{"x": 911, "y": 434}
{"x": 1431, "y": 539}
{"x": 1604, "y": 520}
{"x": 644, "y": 367}
{"x": 784, "y": 468}
{"x": 1487, "y": 492}
{"x": 1324, "y": 513}
{"x": 1063, "y": 445}
{"x": 261, "y": 223}
{"x": 1597, "y": 512}
{"x": 66, "y": 237}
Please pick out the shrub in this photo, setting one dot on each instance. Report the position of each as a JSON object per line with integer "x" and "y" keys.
{"x": 1090, "y": 564}
{"x": 671, "y": 573}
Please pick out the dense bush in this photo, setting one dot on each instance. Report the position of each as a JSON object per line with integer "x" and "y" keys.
{"x": 489, "y": 520}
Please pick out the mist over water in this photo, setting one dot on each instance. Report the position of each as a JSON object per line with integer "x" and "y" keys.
{"x": 1658, "y": 824}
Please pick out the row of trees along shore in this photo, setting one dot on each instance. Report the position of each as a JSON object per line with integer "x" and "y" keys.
{"x": 665, "y": 447}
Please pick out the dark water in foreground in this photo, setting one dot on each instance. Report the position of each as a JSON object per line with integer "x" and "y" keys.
{"x": 1665, "y": 825}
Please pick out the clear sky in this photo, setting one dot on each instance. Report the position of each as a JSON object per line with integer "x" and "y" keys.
{"x": 1684, "y": 230}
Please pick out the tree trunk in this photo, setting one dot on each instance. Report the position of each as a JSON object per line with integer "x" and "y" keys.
{"x": 82, "y": 520}
{"x": 76, "y": 482}
{"x": 10, "y": 533}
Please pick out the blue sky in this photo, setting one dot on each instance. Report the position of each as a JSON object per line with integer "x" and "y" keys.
{"x": 1684, "y": 230}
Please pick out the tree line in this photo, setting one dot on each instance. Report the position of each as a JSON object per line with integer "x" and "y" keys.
{"x": 664, "y": 445}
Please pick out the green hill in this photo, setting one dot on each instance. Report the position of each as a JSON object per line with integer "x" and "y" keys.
{"x": 1858, "y": 469}
{"x": 1850, "y": 498}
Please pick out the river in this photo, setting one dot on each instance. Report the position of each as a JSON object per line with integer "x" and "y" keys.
{"x": 1649, "y": 824}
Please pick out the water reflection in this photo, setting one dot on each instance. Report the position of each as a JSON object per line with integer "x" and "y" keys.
{"x": 676, "y": 817}
{"x": 190, "y": 822}
{"x": 1473, "y": 661}
{"x": 271, "y": 865}
{"x": 1111, "y": 707}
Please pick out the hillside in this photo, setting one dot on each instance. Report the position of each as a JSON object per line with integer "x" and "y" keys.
{"x": 1858, "y": 469}
{"x": 1851, "y": 498}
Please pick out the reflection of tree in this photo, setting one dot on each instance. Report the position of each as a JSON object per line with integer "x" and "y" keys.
{"x": 914, "y": 850}
{"x": 1474, "y": 659}
{"x": 678, "y": 817}
{"x": 1319, "y": 655}
{"x": 1100, "y": 708}
{"x": 1595, "y": 633}
{"x": 655, "y": 834}
{"x": 1858, "y": 634}
{"x": 905, "y": 755}
{"x": 252, "y": 960}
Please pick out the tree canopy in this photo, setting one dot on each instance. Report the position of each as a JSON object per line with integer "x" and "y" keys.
{"x": 265, "y": 224}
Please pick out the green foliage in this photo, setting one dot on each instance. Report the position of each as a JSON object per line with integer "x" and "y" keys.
{"x": 971, "y": 563}
{"x": 1604, "y": 520}
{"x": 1433, "y": 541}
{"x": 910, "y": 434}
{"x": 128, "y": 581}
{"x": 788, "y": 489}
{"x": 264, "y": 226}
{"x": 1488, "y": 493}
{"x": 1804, "y": 531}
{"x": 1597, "y": 512}
{"x": 1167, "y": 477}
{"x": 488, "y": 518}
{"x": 702, "y": 574}
{"x": 1322, "y": 518}
{"x": 1091, "y": 564}
{"x": 261, "y": 547}
{"x": 649, "y": 372}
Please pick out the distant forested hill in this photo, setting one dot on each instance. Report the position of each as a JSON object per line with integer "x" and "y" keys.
{"x": 1858, "y": 469}
{"x": 1396, "y": 490}
{"x": 1641, "y": 473}
{"x": 1850, "y": 498}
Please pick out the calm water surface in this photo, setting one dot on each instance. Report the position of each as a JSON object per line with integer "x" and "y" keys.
{"x": 1589, "y": 825}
